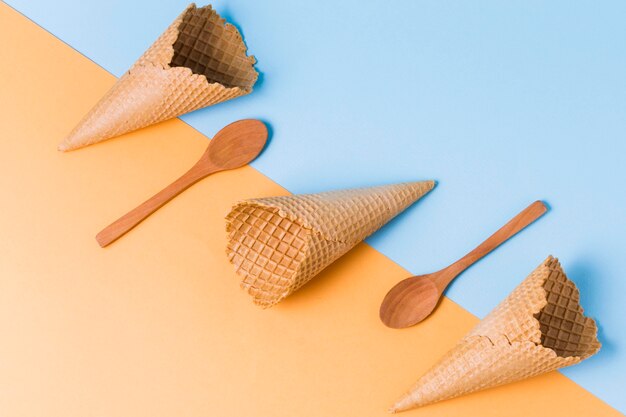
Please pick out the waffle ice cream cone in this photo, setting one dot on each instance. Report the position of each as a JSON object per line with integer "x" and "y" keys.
{"x": 197, "y": 62}
{"x": 278, "y": 244}
{"x": 538, "y": 328}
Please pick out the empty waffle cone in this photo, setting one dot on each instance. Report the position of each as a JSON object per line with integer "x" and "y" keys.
{"x": 538, "y": 328}
{"x": 197, "y": 62}
{"x": 278, "y": 244}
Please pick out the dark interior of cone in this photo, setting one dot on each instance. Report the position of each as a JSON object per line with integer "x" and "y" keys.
{"x": 209, "y": 47}
{"x": 564, "y": 328}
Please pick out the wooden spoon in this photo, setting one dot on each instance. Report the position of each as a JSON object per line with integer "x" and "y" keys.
{"x": 232, "y": 147}
{"x": 413, "y": 299}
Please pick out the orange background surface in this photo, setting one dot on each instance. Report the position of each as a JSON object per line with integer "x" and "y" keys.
{"x": 156, "y": 324}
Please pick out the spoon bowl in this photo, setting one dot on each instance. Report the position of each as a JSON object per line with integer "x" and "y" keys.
{"x": 400, "y": 309}
{"x": 237, "y": 144}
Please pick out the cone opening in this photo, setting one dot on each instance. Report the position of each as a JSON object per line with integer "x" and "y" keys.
{"x": 564, "y": 328}
{"x": 208, "y": 46}
{"x": 267, "y": 250}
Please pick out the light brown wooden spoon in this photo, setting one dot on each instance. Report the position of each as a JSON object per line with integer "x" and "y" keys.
{"x": 232, "y": 147}
{"x": 413, "y": 299}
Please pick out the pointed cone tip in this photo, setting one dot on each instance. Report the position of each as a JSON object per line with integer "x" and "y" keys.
{"x": 419, "y": 185}
{"x": 70, "y": 144}
{"x": 65, "y": 145}
{"x": 403, "y": 404}
{"x": 431, "y": 183}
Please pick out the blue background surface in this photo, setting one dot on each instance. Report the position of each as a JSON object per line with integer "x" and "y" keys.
{"x": 502, "y": 103}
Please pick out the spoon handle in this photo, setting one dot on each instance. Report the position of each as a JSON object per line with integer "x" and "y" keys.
{"x": 131, "y": 219}
{"x": 516, "y": 224}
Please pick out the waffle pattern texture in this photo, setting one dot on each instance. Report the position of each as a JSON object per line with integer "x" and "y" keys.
{"x": 278, "y": 244}
{"x": 538, "y": 328}
{"x": 198, "y": 61}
